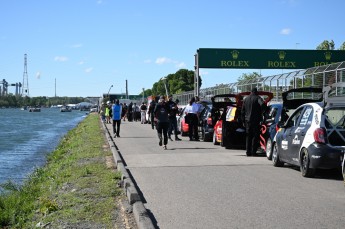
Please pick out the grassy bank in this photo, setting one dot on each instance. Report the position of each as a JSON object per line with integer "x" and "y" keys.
{"x": 76, "y": 189}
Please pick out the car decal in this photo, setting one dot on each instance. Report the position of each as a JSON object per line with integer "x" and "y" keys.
{"x": 316, "y": 118}
{"x": 285, "y": 145}
{"x": 262, "y": 137}
{"x": 298, "y": 129}
{"x": 296, "y": 141}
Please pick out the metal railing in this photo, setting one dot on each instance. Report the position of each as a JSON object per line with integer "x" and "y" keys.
{"x": 312, "y": 77}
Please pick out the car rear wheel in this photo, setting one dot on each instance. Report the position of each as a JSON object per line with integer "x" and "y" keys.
{"x": 305, "y": 162}
{"x": 275, "y": 157}
{"x": 214, "y": 140}
{"x": 343, "y": 168}
{"x": 269, "y": 149}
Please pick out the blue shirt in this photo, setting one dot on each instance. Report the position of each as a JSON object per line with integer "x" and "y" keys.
{"x": 117, "y": 109}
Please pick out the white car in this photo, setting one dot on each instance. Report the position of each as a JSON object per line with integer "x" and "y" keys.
{"x": 314, "y": 135}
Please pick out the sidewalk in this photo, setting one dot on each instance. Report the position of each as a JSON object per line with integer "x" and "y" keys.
{"x": 184, "y": 186}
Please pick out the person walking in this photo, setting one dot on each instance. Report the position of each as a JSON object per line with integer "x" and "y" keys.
{"x": 107, "y": 112}
{"x": 124, "y": 111}
{"x": 130, "y": 112}
{"x": 192, "y": 119}
{"x": 251, "y": 113}
{"x": 117, "y": 112}
{"x": 172, "y": 118}
{"x": 161, "y": 113}
{"x": 151, "y": 113}
{"x": 143, "y": 109}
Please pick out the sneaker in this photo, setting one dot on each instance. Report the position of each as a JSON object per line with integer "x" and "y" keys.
{"x": 160, "y": 142}
{"x": 165, "y": 147}
{"x": 118, "y": 135}
{"x": 178, "y": 139}
{"x": 170, "y": 139}
{"x": 114, "y": 135}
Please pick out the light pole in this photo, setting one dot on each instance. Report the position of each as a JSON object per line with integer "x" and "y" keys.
{"x": 143, "y": 94}
{"x": 165, "y": 85}
{"x": 109, "y": 91}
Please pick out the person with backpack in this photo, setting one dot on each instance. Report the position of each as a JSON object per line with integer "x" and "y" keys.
{"x": 173, "y": 119}
{"x": 161, "y": 113}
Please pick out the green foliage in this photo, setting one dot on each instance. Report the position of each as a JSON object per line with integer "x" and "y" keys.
{"x": 74, "y": 186}
{"x": 326, "y": 45}
{"x": 180, "y": 81}
{"x": 249, "y": 80}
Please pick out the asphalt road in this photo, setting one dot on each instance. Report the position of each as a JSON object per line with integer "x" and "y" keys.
{"x": 199, "y": 185}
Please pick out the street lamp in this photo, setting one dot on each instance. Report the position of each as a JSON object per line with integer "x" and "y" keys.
{"x": 165, "y": 85}
{"x": 109, "y": 91}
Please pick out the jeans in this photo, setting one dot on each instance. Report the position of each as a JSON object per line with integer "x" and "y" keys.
{"x": 172, "y": 125}
{"x": 116, "y": 127}
{"x": 162, "y": 127}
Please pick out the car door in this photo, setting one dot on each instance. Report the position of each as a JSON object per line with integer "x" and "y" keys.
{"x": 289, "y": 135}
{"x": 299, "y": 133}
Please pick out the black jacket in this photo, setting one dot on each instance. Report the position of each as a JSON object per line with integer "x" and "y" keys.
{"x": 252, "y": 109}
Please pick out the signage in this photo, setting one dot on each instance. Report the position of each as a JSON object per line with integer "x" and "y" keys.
{"x": 267, "y": 58}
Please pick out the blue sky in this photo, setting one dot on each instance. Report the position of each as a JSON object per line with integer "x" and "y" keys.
{"x": 88, "y": 45}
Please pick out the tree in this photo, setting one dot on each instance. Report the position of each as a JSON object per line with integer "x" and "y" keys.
{"x": 249, "y": 80}
{"x": 326, "y": 45}
{"x": 180, "y": 81}
{"x": 342, "y": 47}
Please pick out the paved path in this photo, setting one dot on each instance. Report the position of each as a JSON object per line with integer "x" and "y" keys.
{"x": 199, "y": 185}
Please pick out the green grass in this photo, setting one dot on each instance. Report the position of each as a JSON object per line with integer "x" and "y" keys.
{"x": 75, "y": 188}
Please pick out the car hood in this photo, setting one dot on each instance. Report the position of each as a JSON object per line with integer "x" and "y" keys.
{"x": 295, "y": 97}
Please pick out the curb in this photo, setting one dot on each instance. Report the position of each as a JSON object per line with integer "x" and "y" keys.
{"x": 140, "y": 212}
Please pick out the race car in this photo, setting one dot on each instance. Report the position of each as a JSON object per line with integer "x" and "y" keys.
{"x": 313, "y": 137}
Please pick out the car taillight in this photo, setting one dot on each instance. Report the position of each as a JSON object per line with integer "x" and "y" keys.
{"x": 320, "y": 135}
{"x": 209, "y": 121}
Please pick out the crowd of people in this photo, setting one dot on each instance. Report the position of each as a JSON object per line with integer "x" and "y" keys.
{"x": 162, "y": 114}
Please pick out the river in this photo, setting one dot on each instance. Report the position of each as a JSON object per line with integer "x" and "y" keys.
{"x": 27, "y": 137}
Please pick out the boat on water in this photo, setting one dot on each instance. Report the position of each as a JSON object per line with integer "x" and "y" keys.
{"x": 65, "y": 109}
{"x": 34, "y": 109}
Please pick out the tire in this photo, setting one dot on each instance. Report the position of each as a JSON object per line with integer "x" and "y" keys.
{"x": 304, "y": 164}
{"x": 343, "y": 168}
{"x": 269, "y": 149}
{"x": 202, "y": 136}
{"x": 214, "y": 139}
{"x": 275, "y": 157}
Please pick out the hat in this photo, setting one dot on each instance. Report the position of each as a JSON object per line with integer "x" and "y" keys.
{"x": 108, "y": 102}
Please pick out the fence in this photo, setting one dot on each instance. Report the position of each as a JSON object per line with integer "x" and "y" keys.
{"x": 312, "y": 77}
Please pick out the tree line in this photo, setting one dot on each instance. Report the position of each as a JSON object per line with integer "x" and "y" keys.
{"x": 11, "y": 100}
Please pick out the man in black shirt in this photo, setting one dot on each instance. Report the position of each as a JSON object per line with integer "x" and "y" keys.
{"x": 172, "y": 118}
{"x": 161, "y": 112}
{"x": 252, "y": 115}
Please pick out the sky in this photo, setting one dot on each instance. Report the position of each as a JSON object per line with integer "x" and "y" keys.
{"x": 82, "y": 47}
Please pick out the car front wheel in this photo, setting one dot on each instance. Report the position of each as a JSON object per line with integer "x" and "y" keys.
{"x": 275, "y": 157}
{"x": 305, "y": 162}
{"x": 269, "y": 149}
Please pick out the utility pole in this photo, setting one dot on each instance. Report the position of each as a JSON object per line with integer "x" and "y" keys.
{"x": 25, "y": 91}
